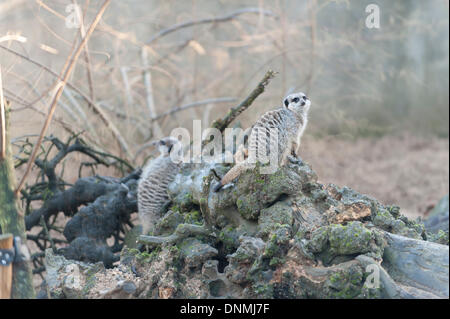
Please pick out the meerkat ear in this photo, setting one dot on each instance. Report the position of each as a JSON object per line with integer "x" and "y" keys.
{"x": 286, "y": 102}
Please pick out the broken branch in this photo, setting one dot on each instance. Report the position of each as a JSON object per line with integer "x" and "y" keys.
{"x": 62, "y": 84}
{"x": 234, "y": 112}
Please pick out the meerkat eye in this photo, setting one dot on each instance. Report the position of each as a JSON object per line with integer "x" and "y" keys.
{"x": 304, "y": 97}
{"x": 286, "y": 102}
{"x": 295, "y": 100}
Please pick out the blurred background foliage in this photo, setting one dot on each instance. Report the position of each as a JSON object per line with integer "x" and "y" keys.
{"x": 363, "y": 82}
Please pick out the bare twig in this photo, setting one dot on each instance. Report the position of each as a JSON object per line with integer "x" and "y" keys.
{"x": 181, "y": 108}
{"x": 14, "y": 98}
{"x": 82, "y": 114}
{"x": 126, "y": 84}
{"x": 62, "y": 84}
{"x": 95, "y": 108}
{"x": 86, "y": 53}
{"x": 225, "y": 18}
{"x": 157, "y": 131}
{"x": 176, "y": 51}
{"x": 234, "y": 112}
{"x": 194, "y": 104}
{"x": 46, "y": 7}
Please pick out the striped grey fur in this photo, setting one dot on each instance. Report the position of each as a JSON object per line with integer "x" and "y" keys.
{"x": 152, "y": 189}
{"x": 289, "y": 122}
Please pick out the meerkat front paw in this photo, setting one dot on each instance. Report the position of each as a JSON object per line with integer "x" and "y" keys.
{"x": 219, "y": 187}
{"x": 292, "y": 159}
{"x": 295, "y": 160}
{"x": 228, "y": 186}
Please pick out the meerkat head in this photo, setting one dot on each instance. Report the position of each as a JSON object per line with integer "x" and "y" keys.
{"x": 166, "y": 145}
{"x": 297, "y": 103}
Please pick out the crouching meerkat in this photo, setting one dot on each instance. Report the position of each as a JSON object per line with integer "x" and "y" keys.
{"x": 289, "y": 122}
{"x": 152, "y": 187}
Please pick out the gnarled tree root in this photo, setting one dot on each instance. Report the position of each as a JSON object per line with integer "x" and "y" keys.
{"x": 182, "y": 231}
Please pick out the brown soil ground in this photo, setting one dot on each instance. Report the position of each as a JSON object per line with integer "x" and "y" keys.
{"x": 408, "y": 171}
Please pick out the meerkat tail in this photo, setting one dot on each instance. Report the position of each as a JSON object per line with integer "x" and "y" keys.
{"x": 232, "y": 174}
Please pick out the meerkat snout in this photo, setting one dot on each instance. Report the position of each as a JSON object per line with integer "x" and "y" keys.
{"x": 304, "y": 100}
{"x": 297, "y": 102}
{"x": 166, "y": 145}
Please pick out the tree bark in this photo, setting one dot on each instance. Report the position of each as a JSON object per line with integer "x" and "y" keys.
{"x": 11, "y": 221}
{"x": 6, "y": 242}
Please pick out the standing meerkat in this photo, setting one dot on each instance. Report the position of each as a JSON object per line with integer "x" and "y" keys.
{"x": 289, "y": 122}
{"x": 152, "y": 188}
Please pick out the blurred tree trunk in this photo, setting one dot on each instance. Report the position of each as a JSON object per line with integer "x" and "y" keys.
{"x": 11, "y": 221}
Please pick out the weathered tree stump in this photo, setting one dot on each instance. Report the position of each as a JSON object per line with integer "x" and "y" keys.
{"x": 11, "y": 220}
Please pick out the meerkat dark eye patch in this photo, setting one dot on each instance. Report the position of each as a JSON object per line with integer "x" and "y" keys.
{"x": 295, "y": 100}
{"x": 162, "y": 143}
{"x": 286, "y": 102}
